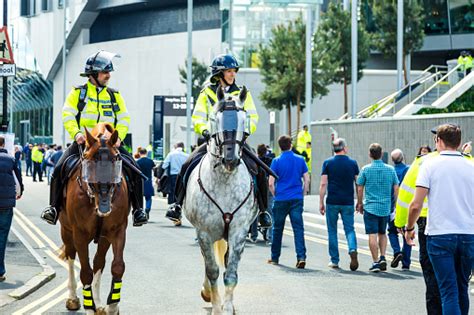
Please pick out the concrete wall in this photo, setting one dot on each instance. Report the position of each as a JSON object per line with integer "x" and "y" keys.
{"x": 407, "y": 133}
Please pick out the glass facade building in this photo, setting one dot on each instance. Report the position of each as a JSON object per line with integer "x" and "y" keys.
{"x": 252, "y": 21}
{"x": 449, "y": 17}
{"x": 32, "y": 105}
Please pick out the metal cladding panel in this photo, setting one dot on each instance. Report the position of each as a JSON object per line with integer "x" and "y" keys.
{"x": 112, "y": 25}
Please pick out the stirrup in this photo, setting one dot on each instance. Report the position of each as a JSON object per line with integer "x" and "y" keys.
{"x": 139, "y": 217}
{"x": 265, "y": 220}
{"x": 50, "y": 215}
{"x": 174, "y": 213}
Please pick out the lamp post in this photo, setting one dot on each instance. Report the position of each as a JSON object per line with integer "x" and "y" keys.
{"x": 354, "y": 45}
{"x": 189, "y": 74}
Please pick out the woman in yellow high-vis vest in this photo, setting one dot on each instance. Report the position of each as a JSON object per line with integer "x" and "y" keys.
{"x": 224, "y": 70}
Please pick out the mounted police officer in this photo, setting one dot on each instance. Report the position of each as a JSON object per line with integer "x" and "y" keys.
{"x": 224, "y": 69}
{"x": 86, "y": 106}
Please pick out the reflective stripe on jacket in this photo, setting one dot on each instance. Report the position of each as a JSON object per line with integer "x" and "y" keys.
{"x": 207, "y": 98}
{"x": 98, "y": 108}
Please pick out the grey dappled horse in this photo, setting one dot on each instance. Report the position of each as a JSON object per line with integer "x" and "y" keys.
{"x": 219, "y": 186}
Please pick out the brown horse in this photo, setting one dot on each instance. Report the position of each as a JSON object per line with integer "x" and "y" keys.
{"x": 96, "y": 207}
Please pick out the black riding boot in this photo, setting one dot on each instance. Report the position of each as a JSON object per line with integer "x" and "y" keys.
{"x": 264, "y": 218}
{"x": 174, "y": 211}
{"x": 139, "y": 215}
{"x": 51, "y": 213}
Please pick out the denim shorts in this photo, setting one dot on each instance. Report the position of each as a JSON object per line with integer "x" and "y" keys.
{"x": 375, "y": 224}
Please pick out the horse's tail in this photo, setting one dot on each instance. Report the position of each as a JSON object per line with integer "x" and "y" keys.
{"x": 62, "y": 252}
{"x": 220, "y": 250}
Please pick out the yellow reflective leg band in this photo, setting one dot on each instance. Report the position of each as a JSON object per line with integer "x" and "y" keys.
{"x": 88, "y": 302}
{"x": 114, "y": 295}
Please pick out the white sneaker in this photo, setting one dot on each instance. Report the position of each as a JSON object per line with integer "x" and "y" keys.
{"x": 333, "y": 265}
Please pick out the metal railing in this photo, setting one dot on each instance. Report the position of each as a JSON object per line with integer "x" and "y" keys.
{"x": 436, "y": 84}
{"x": 389, "y": 102}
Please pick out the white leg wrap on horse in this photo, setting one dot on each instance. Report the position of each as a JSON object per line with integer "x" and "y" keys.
{"x": 72, "y": 284}
{"x": 96, "y": 288}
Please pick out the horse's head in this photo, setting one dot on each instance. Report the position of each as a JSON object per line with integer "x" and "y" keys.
{"x": 230, "y": 128}
{"x": 102, "y": 165}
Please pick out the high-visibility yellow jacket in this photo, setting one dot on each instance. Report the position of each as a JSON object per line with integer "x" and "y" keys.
{"x": 208, "y": 97}
{"x": 98, "y": 108}
{"x": 36, "y": 155}
{"x": 301, "y": 140}
{"x": 407, "y": 188}
{"x": 308, "y": 163}
{"x": 465, "y": 62}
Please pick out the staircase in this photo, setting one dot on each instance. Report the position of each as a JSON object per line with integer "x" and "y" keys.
{"x": 433, "y": 95}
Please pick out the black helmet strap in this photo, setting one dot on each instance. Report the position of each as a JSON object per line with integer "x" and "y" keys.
{"x": 221, "y": 75}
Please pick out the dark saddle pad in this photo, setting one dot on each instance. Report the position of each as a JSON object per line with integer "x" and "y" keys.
{"x": 69, "y": 166}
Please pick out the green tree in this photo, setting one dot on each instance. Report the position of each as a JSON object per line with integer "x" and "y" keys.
{"x": 282, "y": 66}
{"x": 333, "y": 40}
{"x": 200, "y": 74}
{"x": 385, "y": 36}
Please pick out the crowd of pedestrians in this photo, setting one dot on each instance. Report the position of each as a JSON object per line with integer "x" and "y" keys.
{"x": 391, "y": 199}
{"x": 39, "y": 158}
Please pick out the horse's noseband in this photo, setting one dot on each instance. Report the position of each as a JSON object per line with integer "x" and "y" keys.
{"x": 107, "y": 169}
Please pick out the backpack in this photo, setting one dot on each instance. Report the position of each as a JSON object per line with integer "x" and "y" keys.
{"x": 82, "y": 97}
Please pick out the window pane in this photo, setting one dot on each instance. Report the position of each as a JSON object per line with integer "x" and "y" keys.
{"x": 436, "y": 17}
{"x": 462, "y": 16}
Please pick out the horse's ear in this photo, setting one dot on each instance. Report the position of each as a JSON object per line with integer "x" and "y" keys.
{"x": 113, "y": 138}
{"x": 89, "y": 138}
{"x": 243, "y": 94}
{"x": 220, "y": 93}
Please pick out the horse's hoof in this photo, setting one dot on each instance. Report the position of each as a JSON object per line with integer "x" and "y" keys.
{"x": 205, "y": 297}
{"x": 101, "y": 311}
{"x": 177, "y": 223}
{"x": 73, "y": 304}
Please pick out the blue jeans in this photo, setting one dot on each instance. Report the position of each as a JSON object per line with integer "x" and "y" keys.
{"x": 451, "y": 256}
{"x": 347, "y": 215}
{"x": 281, "y": 209}
{"x": 394, "y": 242}
{"x": 6, "y": 216}
{"x": 148, "y": 203}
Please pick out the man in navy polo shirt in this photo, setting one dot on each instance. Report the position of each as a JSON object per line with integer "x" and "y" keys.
{"x": 338, "y": 177}
{"x": 289, "y": 194}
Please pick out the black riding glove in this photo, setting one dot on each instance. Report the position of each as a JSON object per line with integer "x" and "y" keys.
{"x": 206, "y": 135}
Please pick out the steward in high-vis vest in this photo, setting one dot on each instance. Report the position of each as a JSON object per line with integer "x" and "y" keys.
{"x": 86, "y": 106}
{"x": 302, "y": 139}
{"x": 406, "y": 194}
{"x": 224, "y": 69}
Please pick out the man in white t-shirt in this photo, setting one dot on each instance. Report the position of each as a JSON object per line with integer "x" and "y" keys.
{"x": 448, "y": 181}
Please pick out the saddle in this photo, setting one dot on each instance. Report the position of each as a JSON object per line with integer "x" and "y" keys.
{"x": 69, "y": 167}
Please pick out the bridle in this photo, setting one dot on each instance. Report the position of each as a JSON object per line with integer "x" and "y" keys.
{"x": 226, "y": 216}
{"x": 99, "y": 183}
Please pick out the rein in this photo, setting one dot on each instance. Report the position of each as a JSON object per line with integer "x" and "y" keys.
{"x": 226, "y": 216}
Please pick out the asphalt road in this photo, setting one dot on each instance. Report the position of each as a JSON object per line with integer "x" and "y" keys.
{"x": 164, "y": 271}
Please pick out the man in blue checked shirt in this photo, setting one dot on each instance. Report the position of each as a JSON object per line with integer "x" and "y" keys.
{"x": 378, "y": 179}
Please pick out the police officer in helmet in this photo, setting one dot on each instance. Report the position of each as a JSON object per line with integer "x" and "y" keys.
{"x": 85, "y": 106}
{"x": 224, "y": 69}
